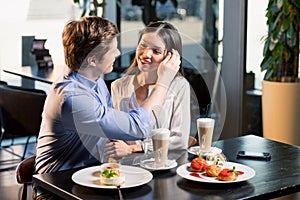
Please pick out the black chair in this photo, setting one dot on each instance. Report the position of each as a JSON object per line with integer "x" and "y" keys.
{"x": 200, "y": 101}
{"x": 24, "y": 172}
{"x": 20, "y": 115}
{"x": 3, "y": 83}
{"x": 201, "y": 91}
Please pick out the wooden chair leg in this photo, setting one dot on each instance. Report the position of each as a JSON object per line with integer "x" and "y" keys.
{"x": 25, "y": 149}
{"x": 24, "y": 192}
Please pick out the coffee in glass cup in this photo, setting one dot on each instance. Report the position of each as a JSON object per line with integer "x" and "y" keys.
{"x": 205, "y": 132}
{"x": 160, "y": 141}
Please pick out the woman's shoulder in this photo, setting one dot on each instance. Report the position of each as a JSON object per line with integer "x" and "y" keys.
{"x": 179, "y": 84}
{"x": 122, "y": 86}
{"x": 180, "y": 81}
{"x": 123, "y": 81}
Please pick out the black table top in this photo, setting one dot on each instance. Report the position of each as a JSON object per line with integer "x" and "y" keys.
{"x": 278, "y": 177}
{"x": 48, "y": 74}
{"x": 35, "y": 73}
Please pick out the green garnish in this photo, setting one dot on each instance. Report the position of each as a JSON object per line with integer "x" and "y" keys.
{"x": 199, "y": 154}
{"x": 219, "y": 163}
{"x": 109, "y": 173}
{"x": 233, "y": 170}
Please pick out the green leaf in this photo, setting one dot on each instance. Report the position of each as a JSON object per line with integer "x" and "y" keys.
{"x": 290, "y": 32}
{"x": 199, "y": 154}
{"x": 268, "y": 75}
{"x": 233, "y": 170}
{"x": 297, "y": 18}
{"x": 286, "y": 24}
{"x": 273, "y": 25}
{"x": 274, "y": 9}
{"x": 281, "y": 44}
{"x": 280, "y": 48}
{"x": 286, "y": 7}
{"x": 291, "y": 42}
{"x": 279, "y": 3}
{"x": 297, "y": 3}
{"x": 267, "y": 61}
{"x": 108, "y": 173}
{"x": 266, "y": 46}
{"x": 272, "y": 46}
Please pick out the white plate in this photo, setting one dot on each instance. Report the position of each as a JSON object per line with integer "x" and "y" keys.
{"x": 149, "y": 164}
{"x": 196, "y": 149}
{"x": 185, "y": 173}
{"x": 134, "y": 176}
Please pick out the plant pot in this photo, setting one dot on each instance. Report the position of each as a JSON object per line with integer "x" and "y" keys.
{"x": 281, "y": 111}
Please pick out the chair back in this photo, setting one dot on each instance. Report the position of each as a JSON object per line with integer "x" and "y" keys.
{"x": 192, "y": 141}
{"x": 21, "y": 110}
{"x": 24, "y": 173}
{"x": 201, "y": 91}
{"x": 25, "y": 170}
{"x": 200, "y": 88}
{"x": 3, "y": 83}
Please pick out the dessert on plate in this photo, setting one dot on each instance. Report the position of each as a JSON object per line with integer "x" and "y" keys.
{"x": 213, "y": 170}
{"x": 228, "y": 174}
{"x": 214, "y": 167}
{"x": 111, "y": 175}
{"x": 198, "y": 164}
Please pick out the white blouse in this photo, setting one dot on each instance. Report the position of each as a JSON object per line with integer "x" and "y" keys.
{"x": 175, "y": 114}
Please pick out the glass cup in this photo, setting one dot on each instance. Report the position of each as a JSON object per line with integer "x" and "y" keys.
{"x": 205, "y": 132}
{"x": 160, "y": 140}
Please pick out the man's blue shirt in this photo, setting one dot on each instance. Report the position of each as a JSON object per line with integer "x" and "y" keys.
{"x": 77, "y": 112}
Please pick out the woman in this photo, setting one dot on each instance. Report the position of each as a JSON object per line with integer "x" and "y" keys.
{"x": 78, "y": 110}
{"x": 131, "y": 91}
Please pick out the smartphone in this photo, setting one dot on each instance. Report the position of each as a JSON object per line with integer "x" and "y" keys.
{"x": 254, "y": 155}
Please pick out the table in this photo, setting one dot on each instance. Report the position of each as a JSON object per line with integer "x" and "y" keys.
{"x": 278, "y": 177}
{"x": 30, "y": 74}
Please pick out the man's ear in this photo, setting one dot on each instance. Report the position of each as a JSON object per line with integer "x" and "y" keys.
{"x": 91, "y": 61}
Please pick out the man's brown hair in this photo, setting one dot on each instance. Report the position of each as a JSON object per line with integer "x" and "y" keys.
{"x": 89, "y": 35}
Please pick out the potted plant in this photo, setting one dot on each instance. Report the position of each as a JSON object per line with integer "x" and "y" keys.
{"x": 281, "y": 87}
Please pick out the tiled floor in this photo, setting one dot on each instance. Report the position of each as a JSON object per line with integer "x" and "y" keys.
{"x": 9, "y": 188}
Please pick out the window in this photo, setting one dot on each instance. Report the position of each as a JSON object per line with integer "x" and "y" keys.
{"x": 256, "y": 29}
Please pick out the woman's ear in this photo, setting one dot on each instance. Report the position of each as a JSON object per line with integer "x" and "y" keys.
{"x": 91, "y": 61}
